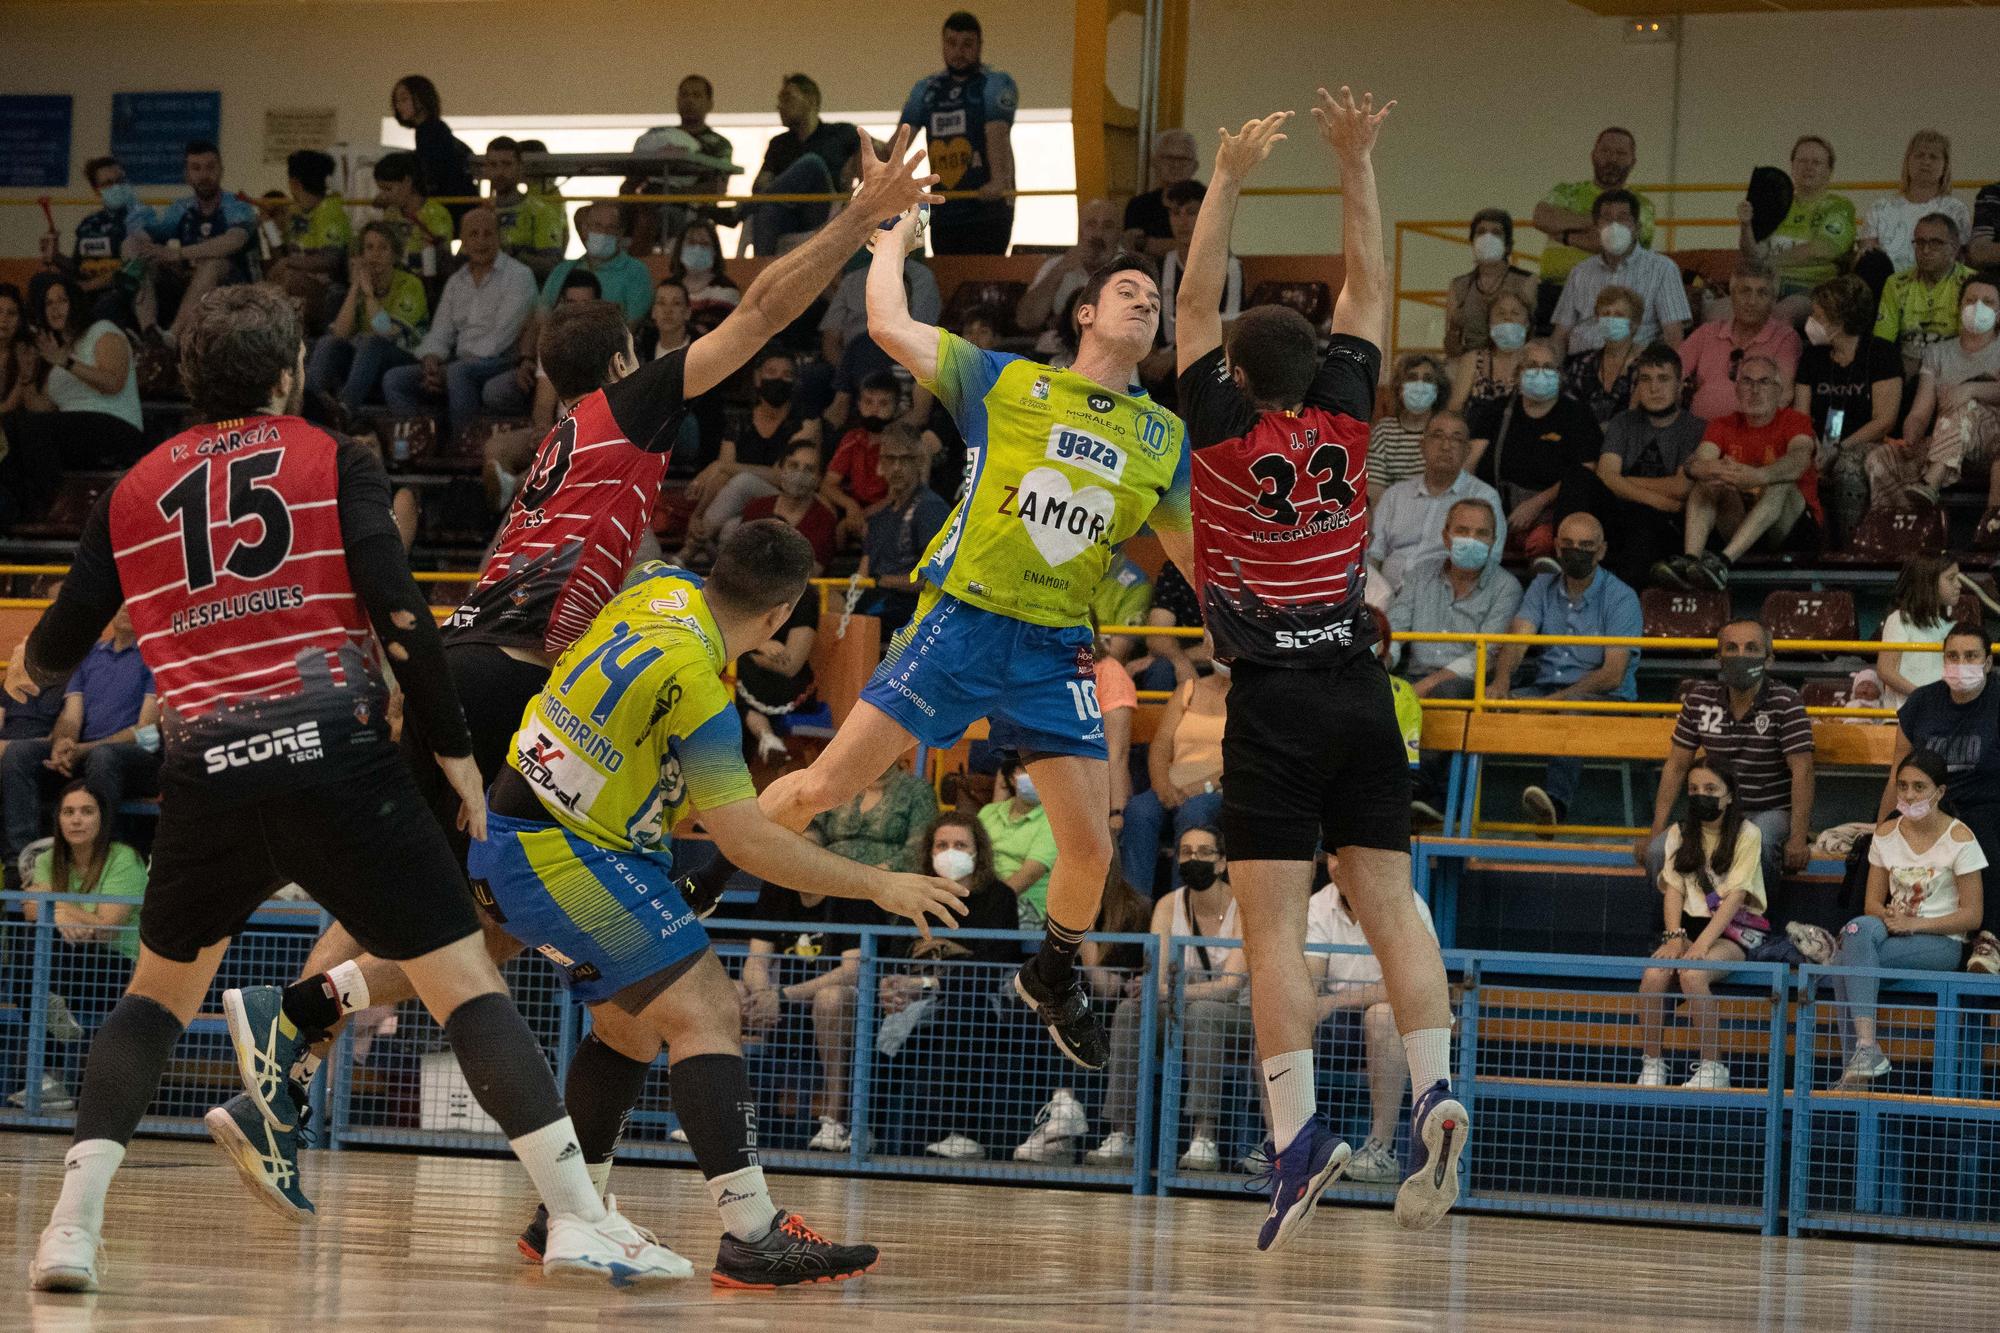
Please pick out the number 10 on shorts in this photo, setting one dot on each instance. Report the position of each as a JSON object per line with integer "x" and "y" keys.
{"x": 1083, "y": 693}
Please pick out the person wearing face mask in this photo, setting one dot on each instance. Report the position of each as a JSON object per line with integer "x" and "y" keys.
{"x": 1926, "y": 894}
{"x": 1623, "y": 259}
{"x": 1527, "y": 444}
{"x": 1759, "y": 726}
{"x": 1714, "y": 352}
{"x": 797, "y": 502}
{"x": 1954, "y": 421}
{"x": 1581, "y": 598}
{"x": 1184, "y": 765}
{"x": 1850, "y": 383}
{"x": 1565, "y": 214}
{"x": 1712, "y": 898}
{"x": 853, "y": 484}
{"x": 1468, "y": 306}
{"x": 1024, "y": 847}
{"x": 626, "y": 282}
{"x": 98, "y": 253}
{"x": 381, "y": 322}
{"x": 1921, "y": 609}
{"x": 746, "y": 465}
{"x": 1405, "y": 527}
{"x": 1601, "y": 378}
{"x": 1395, "y": 440}
{"x": 695, "y": 261}
{"x": 1482, "y": 375}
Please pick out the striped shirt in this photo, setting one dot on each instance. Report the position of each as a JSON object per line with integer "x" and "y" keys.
{"x": 1758, "y": 744}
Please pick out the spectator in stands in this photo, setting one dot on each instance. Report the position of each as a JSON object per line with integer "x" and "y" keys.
{"x": 381, "y": 323}
{"x": 808, "y": 968}
{"x": 623, "y": 280}
{"x": 695, "y": 261}
{"x": 1148, "y": 227}
{"x": 775, "y": 687}
{"x": 665, "y": 329}
{"x": 1215, "y": 1017}
{"x": 1956, "y": 718}
{"x": 1567, "y": 216}
{"x": 967, "y": 116}
{"x": 853, "y": 483}
{"x": 1759, "y": 726}
{"x": 746, "y": 466}
{"x": 1711, "y": 880}
{"x": 1462, "y": 591}
{"x": 1171, "y": 660}
{"x": 99, "y": 250}
{"x": 85, "y": 412}
{"x": 1851, "y": 384}
{"x": 694, "y": 100}
{"x": 424, "y": 224}
{"x": 200, "y": 243}
{"x": 1890, "y": 227}
{"x": 1754, "y": 482}
{"x": 318, "y": 234}
{"x": 1919, "y": 305}
{"x": 900, "y": 530}
{"x": 849, "y": 357}
{"x": 1925, "y": 895}
{"x": 1409, "y": 523}
{"x": 811, "y": 156}
{"x": 1024, "y": 848}
{"x": 1469, "y": 304}
{"x": 534, "y": 228}
{"x": 444, "y": 160}
{"x": 19, "y": 366}
{"x": 1395, "y": 441}
{"x": 1622, "y": 258}
{"x": 1601, "y": 378}
{"x": 1061, "y": 276}
{"x": 1921, "y": 608}
{"x": 887, "y": 823}
{"x": 1183, "y": 207}
{"x": 1582, "y": 598}
{"x": 1954, "y": 421}
{"x": 1639, "y": 485}
{"x": 1983, "y": 251}
{"x": 1124, "y": 596}
{"x": 797, "y": 501}
{"x": 1714, "y": 352}
{"x": 469, "y": 358}
{"x": 1814, "y": 241}
{"x": 1488, "y": 374}
{"x": 1184, "y": 764}
{"x": 580, "y": 284}
{"x": 97, "y": 942}
{"x": 1524, "y": 446}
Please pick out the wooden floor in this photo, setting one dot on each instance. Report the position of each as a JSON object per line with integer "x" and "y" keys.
{"x": 426, "y": 1243}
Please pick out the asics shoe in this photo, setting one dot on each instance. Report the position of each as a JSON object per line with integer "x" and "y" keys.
{"x": 266, "y": 1157}
{"x": 610, "y": 1247}
{"x": 1438, "y": 1129}
{"x": 789, "y": 1253}
{"x": 1065, "y": 1012}
{"x": 267, "y": 1046}
{"x": 1299, "y": 1175}
{"x": 68, "y": 1259}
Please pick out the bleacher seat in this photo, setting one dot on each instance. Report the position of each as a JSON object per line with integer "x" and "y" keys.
{"x": 1672, "y": 614}
{"x": 1311, "y": 299}
{"x": 1810, "y": 615}
{"x": 1891, "y": 536}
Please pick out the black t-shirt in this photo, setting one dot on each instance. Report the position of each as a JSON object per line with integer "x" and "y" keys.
{"x": 756, "y": 449}
{"x": 1848, "y": 389}
{"x": 991, "y": 906}
{"x": 1148, "y": 213}
{"x": 834, "y": 142}
{"x": 1536, "y": 452}
{"x": 446, "y": 165}
{"x": 800, "y": 931}
{"x": 1172, "y": 594}
{"x": 1648, "y": 449}
{"x": 779, "y": 693}
{"x": 1966, "y": 736}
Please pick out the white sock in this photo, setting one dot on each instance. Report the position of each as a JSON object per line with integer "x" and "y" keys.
{"x": 744, "y": 1203}
{"x": 556, "y": 1166}
{"x": 1288, "y": 1085}
{"x": 350, "y": 988}
{"x": 600, "y": 1176}
{"x": 87, "y": 1171}
{"x": 1429, "y": 1052}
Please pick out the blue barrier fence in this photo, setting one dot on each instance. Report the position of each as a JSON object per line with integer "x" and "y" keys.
{"x": 923, "y": 1067}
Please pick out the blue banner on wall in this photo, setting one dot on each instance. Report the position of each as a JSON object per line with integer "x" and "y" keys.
{"x": 34, "y": 141}
{"x": 150, "y": 132}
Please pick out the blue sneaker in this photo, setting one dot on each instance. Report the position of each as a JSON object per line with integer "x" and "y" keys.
{"x": 1299, "y": 1175}
{"x": 267, "y": 1046}
{"x": 266, "y": 1158}
{"x": 1438, "y": 1130}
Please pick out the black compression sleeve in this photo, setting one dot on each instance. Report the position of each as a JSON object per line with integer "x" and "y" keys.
{"x": 380, "y": 573}
{"x": 90, "y": 596}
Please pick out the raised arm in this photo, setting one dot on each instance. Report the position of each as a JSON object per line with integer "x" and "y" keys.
{"x": 1362, "y": 309}
{"x": 1198, "y": 303}
{"x": 895, "y": 330}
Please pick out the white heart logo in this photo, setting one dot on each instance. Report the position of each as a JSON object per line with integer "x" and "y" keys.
{"x": 1061, "y": 522}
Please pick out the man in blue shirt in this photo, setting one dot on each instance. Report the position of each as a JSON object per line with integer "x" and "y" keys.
{"x": 1583, "y": 599}
{"x": 200, "y": 243}
{"x": 967, "y": 112}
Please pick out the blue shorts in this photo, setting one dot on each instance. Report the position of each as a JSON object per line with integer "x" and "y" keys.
{"x": 608, "y": 919}
{"x": 956, "y": 663}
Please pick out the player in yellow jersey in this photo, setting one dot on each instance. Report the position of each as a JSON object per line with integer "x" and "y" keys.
{"x": 1061, "y": 467}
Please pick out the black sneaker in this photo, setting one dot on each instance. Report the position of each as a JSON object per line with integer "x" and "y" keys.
{"x": 790, "y": 1253}
{"x": 535, "y": 1239}
{"x": 1066, "y": 1014}
{"x": 1672, "y": 572}
{"x": 1711, "y": 571}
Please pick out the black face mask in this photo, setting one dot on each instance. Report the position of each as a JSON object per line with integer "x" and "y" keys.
{"x": 1198, "y": 875}
{"x": 1576, "y": 563}
{"x": 874, "y": 425}
{"x": 1705, "y": 808}
{"x": 775, "y": 393}
{"x": 1742, "y": 672}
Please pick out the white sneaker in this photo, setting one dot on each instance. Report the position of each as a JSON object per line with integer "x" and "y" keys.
{"x": 68, "y": 1259}
{"x": 56, "y": 1096}
{"x": 62, "y": 1023}
{"x": 1374, "y": 1164}
{"x": 1061, "y": 1120}
{"x": 1865, "y": 1066}
{"x": 832, "y": 1136}
{"x": 609, "y": 1248}
{"x": 1201, "y": 1155}
{"x": 1652, "y": 1071}
{"x": 957, "y": 1147}
{"x": 1116, "y": 1150}
{"x": 677, "y": 1135}
{"x": 1709, "y": 1076}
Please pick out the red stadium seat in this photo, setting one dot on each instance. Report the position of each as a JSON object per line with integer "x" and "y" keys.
{"x": 1683, "y": 615}
{"x": 1311, "y": 299}
{"x": 1810, "y": 615}
{"x": 1891, "y": 536}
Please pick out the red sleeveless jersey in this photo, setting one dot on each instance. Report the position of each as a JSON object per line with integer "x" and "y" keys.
{"x": 228, "y": 545}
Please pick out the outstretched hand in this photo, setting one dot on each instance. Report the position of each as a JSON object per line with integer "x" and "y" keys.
{"x": 920, "y": 898}
{"x": 1349, "y": 128}
{"x": 1236, "y": 155}
{"x": 889, "y": 185}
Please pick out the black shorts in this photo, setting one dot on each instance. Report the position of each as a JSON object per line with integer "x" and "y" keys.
{"x": 363, "y": 845}
{"x": 1312, "y": 757}
{"x": 494, "y": 689}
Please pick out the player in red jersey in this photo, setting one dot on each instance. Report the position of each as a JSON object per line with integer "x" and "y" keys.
{"x": 254, "y": 554}
{"x": 1312, "y": 752}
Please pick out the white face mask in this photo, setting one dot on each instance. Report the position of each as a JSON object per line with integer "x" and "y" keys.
{"x": 1818, "y": 334}
{"x": 1964, "y": 677}
{"x": 1488, "y": 248}
{"x": 1024, "y": 788}
{"x": 952, "y": 863}
{"x": 1976, "y": 318}
{"x": 1221, "y": 669}
{"x": 1615, "y": 237}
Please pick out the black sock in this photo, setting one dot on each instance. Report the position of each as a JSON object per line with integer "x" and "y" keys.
{"x": 712, "y": 1098}
{"x": 312, "y": 1004}
{"x": 600, "y": 1091}
{"x": 504, "y": 1065}
{"x": 127, "y": 1057}
{"x": 1055, "y": 961}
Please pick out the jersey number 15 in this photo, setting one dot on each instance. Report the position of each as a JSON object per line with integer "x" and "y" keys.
{"x": 251, "y": 495}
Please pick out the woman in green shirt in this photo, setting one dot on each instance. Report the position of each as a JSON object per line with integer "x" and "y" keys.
{"x": 882, "y": 825}
{"x": 1815, "y": 242}
{"x": 1024, "y": 847}
{"x": 384, "y": 317}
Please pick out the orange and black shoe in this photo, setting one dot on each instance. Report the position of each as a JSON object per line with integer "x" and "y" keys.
{"x": 535, "y": 1239}
{"x": 790, "y": 1253}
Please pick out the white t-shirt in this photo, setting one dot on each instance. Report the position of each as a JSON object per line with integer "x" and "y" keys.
{"x": 1917, "y": 668}
{"x": 1327, "y": 922}
{"x": 71, "y": 394}
{"x": 1893, "y": 224}
{"x": 1746, "y": 870}
{"x": 1925, "y": 884}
